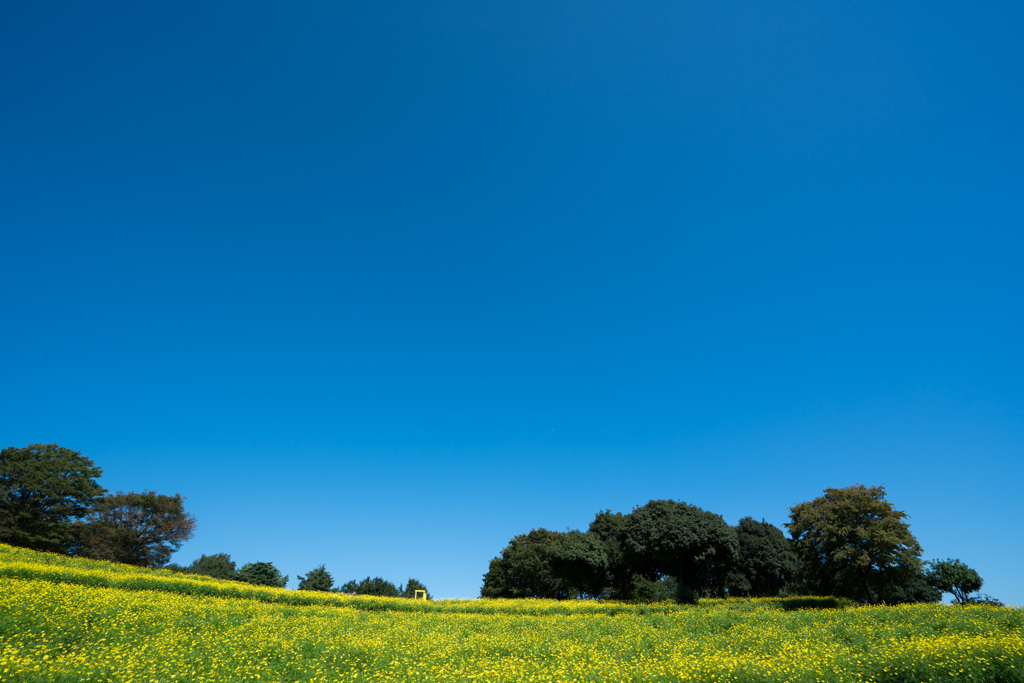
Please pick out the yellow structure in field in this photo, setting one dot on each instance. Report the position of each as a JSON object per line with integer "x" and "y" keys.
{"x": 420, "y": 595}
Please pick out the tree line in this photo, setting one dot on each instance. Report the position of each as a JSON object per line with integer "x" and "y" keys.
{"x": 221, "y": 566}
{"x": 50, "y": 501}
{"x": 850, "y": 542}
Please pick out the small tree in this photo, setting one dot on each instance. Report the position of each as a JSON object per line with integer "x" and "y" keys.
{"x": 318, "y": 579}
{"x": 219, "y": 566}
{"x": 410, "y": 588}
{"x": 142, "y": 529}
{"x": 262, "y": 574}
{"x": 44, "y": 488}
{"x": 955, "y": 577}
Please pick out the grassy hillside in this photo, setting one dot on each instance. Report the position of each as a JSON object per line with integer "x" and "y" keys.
{"x": 64, "y": 619}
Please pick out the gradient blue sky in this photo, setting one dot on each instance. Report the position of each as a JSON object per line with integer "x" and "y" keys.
{"x": 381, "y": 285}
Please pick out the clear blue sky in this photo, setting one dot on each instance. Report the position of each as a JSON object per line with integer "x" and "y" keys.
{"x": 381, "y": 285}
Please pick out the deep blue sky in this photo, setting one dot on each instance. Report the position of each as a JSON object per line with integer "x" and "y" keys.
{"x": 381, "y": 286}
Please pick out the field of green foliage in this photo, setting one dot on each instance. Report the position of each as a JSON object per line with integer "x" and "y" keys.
{"x": 64, "y": 619}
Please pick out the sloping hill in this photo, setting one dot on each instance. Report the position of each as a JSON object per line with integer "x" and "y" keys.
{"x": 64, "y": 619}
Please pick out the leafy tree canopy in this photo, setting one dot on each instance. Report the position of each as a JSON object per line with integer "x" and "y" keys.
{"x": 523, "y": 570}
{"x": 956, "y": 578}
{"x": 44, "y": 488}
{"x": 765, "y": 560}
{"x": 666, "y": 538}
{"x": 581, "y": 561}
{"x": 219, "y": 566}
{"x": 619, "y": 579}
{"x": 142, "y": 529}
{"x": 262, "y": 574}
{"x": 318, "y": 579}
{"x": 851, "y": 542}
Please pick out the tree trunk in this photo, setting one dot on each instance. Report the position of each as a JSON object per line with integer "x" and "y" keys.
{"x": 867, "y": 589}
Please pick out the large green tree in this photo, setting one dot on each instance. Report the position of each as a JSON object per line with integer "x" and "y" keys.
{"x": 44, "y": 489}
{"x": 765, "y": 561}
{"x": 669, "y": 538}
{"x": 851, "y": 542}
{"x": 523, "y": 570}
{"x": 142, "y": 529}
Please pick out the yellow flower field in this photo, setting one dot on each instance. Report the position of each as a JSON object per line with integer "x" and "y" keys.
{"x": 55, "y": 628}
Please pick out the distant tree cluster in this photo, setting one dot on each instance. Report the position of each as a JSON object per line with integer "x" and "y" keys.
{"x": 664, "y": 550}
{"x": 220, "y": 566}
{"x": 381, "y": 587}
{"x": 50, "y": 501}
{"x": 849, "y": 542}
